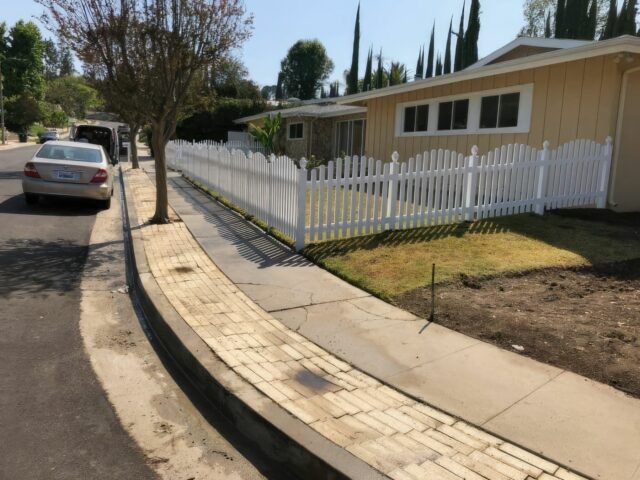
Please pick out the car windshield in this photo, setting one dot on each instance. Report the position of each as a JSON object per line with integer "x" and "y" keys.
{"x": 64, "y": 152}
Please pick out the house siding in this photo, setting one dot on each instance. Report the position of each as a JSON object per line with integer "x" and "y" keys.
{"x": 571, "y": 100}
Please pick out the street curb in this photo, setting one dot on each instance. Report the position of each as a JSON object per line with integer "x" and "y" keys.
{"x": 279, "y": 435}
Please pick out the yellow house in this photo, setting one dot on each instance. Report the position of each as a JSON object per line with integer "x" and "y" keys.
{"x": 527, "y": 92}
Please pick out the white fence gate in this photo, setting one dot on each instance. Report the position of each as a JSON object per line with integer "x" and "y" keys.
{"x": 358, "y": 196}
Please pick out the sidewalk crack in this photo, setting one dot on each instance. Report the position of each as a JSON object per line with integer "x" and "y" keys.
{"x": 523, "y": 398}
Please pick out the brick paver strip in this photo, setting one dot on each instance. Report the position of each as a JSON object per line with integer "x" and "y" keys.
{"x": 395, "y": 434}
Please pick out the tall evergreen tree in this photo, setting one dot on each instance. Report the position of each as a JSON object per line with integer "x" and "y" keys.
{"x": 420, "y": 65}
{"x": 380, "y": 72}
{"x": 547, "y": 26}
{"x": 560, "y": 30}
{"x": 628, "y": 18}
{"x": 366, "y": 83}
{"x": 352, "y": 80}
{"x": 592, "y": 21}
{"x": 66, "y": 61}
{"x": 447, "y": 51}
{"x": 439, "y": 66}
{"x": 429, "y": 72}
{"x": 612, "y": 17}
{"x": 279, "y": 87}
{"x": 472, "y": 34}
{"x": 323, "y": 92}
{"x": 458, "y": 60}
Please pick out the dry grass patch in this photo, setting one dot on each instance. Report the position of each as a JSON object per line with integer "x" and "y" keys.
{"x": 391, "y": 263}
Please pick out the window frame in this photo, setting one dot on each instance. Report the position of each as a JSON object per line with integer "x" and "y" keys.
{"x": 289, "y": 125}
{"x": 525, "y": 108}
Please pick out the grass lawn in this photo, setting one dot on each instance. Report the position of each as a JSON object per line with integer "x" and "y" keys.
{"x": 391, "y": 263}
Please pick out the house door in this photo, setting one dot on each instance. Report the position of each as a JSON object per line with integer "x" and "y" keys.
{"x": 350, "y": 137}
{"x": 625, "y": 175}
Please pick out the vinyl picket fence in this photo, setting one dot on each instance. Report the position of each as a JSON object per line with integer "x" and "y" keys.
{"x": 358, "y": 196}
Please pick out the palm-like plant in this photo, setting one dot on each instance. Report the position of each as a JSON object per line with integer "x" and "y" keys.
{"x": 267, "y": 134}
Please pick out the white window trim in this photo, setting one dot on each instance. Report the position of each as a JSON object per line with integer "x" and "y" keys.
{"x": 473, "y": 119}
{"x": 289, "y": 131}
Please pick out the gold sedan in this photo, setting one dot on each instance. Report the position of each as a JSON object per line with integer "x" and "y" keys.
{"x": 69, "y": 169}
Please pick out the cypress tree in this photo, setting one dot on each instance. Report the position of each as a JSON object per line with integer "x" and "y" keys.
{"x": 420, "y": 64}
{"x": 323, "y": 92}
{"x": 547, "y": 26}
{"x": 429, "y": 72}
{"x": 458, "y": 58}
{"x": 612, "y": 17}
{"x": 560, "y": 30}
{"x": 472, "y": 34}
{"x": 620, "y": 20}
{"x": 279, "y": 88}
{"x": 366, "y": 84}
{"x": 447, "y": 51}
{"x": 592, "y": 21}
{"x": 438, "y": 66}
{"x": 352, "y": 80}
{"x": 380, "y": 72}
{"x": 629, "y": 26}
{"x": 404, "y": 78}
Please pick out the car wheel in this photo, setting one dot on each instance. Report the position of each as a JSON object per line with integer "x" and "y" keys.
{"x": 30, "y": 198}
{"x": 106, "y": 204}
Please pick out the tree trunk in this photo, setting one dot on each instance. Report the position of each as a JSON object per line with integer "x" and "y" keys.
{"x": 133, "y": 146}
{"x": 159, "y": 141}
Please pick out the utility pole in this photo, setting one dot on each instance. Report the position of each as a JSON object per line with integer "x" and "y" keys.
{"x": 4, "y": 133}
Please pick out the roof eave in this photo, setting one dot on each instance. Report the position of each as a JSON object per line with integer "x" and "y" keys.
{"x": 625, "y": 43}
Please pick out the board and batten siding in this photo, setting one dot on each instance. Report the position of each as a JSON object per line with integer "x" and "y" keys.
{"x": 571, "y": 100}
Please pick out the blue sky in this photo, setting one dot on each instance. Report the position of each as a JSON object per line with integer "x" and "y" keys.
{"x": 400, "y": 27}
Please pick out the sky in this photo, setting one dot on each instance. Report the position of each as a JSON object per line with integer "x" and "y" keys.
{"x": 399, "y": 27}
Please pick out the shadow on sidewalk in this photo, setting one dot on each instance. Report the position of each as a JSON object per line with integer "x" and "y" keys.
{"x": 251, "y": 243}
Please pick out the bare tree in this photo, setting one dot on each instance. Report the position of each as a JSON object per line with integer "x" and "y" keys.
{"x": 152, "y": 51}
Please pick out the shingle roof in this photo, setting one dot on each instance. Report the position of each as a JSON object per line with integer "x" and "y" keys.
{"x": 314, "y": 110}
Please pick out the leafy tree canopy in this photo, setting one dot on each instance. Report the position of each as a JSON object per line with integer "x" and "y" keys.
{"x": 23, "y": 67}
{"x": 73, "y": 94}
{"x": 305, "y": 68}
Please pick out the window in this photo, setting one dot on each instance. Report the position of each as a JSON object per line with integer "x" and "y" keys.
{"x": 296, "y": 131}
{"x": 350, "y": 138}
{"x": 63, "y": 152}
{"x": 453, "y": 115}
{"x": 500, "y": 111}
{"x": 416, "y": 118}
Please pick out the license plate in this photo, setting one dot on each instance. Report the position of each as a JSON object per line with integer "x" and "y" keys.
{"x": 64, "y": 175}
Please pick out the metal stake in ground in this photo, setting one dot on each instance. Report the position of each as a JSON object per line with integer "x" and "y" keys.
{"x": 433, "y": 293}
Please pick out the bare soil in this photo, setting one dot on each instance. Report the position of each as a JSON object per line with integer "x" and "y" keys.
{"x": 586, "y": 320}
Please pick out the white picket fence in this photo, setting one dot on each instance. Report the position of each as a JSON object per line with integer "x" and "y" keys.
{"x": 358, "y": 196}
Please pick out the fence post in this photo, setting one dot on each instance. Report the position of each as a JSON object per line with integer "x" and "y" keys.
{"x": 302, "y": 204}
{"x": 543, "y": 170}
{"x": 270, "y": 159}
{"x": 603, "y": 176}
{"x": 472, "y": 183}
{"x": 392, "y": 194}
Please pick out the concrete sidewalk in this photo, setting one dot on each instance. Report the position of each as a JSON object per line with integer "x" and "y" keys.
{"x": 576, "y": 422}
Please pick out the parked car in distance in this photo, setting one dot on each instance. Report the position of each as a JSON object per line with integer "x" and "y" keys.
{"x": 49, "y": 135}
{"x": 124, "y": 134}
{"x": 98, "y": 135}
{"x": 69, "y": 169}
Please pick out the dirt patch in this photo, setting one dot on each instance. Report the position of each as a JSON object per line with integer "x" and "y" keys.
{"x": 586, "y": 320}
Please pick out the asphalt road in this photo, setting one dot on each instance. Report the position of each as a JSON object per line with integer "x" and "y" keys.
{"x": 55, "y": 420}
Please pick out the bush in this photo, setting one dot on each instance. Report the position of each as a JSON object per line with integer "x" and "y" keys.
{"x": 215, "y": 123}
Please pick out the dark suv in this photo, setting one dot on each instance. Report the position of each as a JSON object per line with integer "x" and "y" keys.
{"x": 99, "y": 135}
